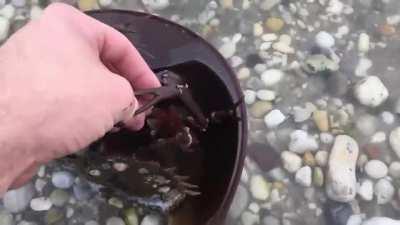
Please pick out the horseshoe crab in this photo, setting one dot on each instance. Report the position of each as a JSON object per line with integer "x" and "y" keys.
{"x": 187, "y": 161}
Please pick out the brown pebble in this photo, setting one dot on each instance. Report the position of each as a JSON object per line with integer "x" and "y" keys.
{"x": 278, "y": 185}
{"x": 372, "y": 151}
{"x": 387, "y": 30}
{"x": 260, "y": 108}
{"x": 321, "y": 120}
{"x": 274, "y": 24}
{"x": 309, "y": 159}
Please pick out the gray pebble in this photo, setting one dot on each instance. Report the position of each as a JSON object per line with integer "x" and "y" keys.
{"x": 62, "y": 179}
{"x": 18, "y": 199}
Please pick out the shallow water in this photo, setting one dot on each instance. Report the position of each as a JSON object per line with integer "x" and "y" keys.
{"x": 253, "y": 43}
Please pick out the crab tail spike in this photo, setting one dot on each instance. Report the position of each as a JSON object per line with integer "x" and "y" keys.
{"x": 192, "y": 193}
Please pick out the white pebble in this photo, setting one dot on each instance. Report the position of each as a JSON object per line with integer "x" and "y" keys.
{"x": 236, "y": 61}
{"x": 301, "y": 114}
{"x": 324, "y": 40}
{"x": 156, "y": 4}
{"x": 286, "y": 39}
{"x": 363, "y": 66}
{"x": 301, "y": 142}
{"x": 303, "y": 176}
{"x": 335, "y": 7}
{"x": 366, "y": 190}
{"x": 376, "y": 169}
{"x": 228, "y": 49}
{"x": 40, "y": 184}
{"x": 387, "y": 117}
{"x": 249, "y": 218}
{"x": 394, "y": 169}
{"x": 105, "y": 3}
{"x": 371, "y": 91}
{"x": 41, "y": 204}
{"x": 115, "y": 221}
{"x": 35, "y": 12}
{"x": 18, "y": 3}
{"x": 271, "y": 77}
{"x": 42, "y": 171}
{"x": 269, "y": 37}
{"x": 355, "y": 219}
{"x": 341, "y": 177}
{"x": 243, "y": 73}
{"x": 291, "y": 161}
{"x": 249, "y": 97}
{"x": 381, "y": 221}
{"x": 258, "y": 29}
{"x": 274, "y": 118}
{"x": 266, "y": 95}
{"x": 254, "y": 207}
{"x": 283, "y": 47}
{"x": 321, "y": 157}
{"x": 8, "y": 11}
{"x": 4, "y": 28}
{"x": 18, "y": 199}
{"x": 265, "y": 46}
{"x": 366, "y": 124}
{"x": 363, "y": 43}
{"x": 260, "y": 68}
{"x": 62, "y": 179}
{"x": 378, "y": 137}
{"x": 259, "y": 188}
{"x": 394, "y": 140}
{"x": 384, "y": 191}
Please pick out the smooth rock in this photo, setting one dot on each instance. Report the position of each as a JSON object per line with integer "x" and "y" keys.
{"x": 321, "y": 120}
{"x": 59, "y": 197}
{"x": 394, "y": 140}
{"x": 40, "y": 184}
{"x": 35, "y": 12}
{"x": 321, "y": 158}
{"x": 366, "y": 190}
{"x": 249, "y": 96}
{"x": 156, "y": 4}
{"x": 18, "y": 199}
{"x": 228, "y": 49}
{"x": 267, "y": 5}
{"x": 62, "y": 179}
{"x": 8, "y": 11}
{"x": 301, "y": 141}
{"x": 363, "y": 66}
{"x": 115, "y": 221}
{"x": 341, "y": 176}
{"x": 388, "y": 117}
{"x": 309, "y": 159}
{"x": 266, "y": 95}
{"x": 274, "y": 118}
{"x": 82, "y": 190}
{"x": 6, "y": 218}
{"x": 376, "y": 169}
{"x": 326, "y": 138}
{"x": 41, "y": 204}
{"x": 302, "y": 114}
{"x": 260, "y": 108}
{"x": 270, "y": 220}
{"x": 355, "y": 219}
{"x": 151, "y": 219}
{"x": 318, "y": 177}
{"x": 283, "y": 48}
{"x": 254, "y": 207}
{"x": 105, "y": 3}
{"x": 4, "y": 28}
{"x": 381, "y": 221}
{"x": 131, "y": 217}
{"x": 371, "y": 92}
{"x": 303, "y": 176}
{"x": 378, "y": 137}
{"x": 259, "y": 188}
{"x": 337, "y": 213}
{"x": 116, "y": 202}
{"x": 271, "y": 77}
{"x": 54, "y": 216}
{"x": 324, "y": 40}
{"x": 274, "y": 24}
{"x": 243, "y": 73}
{"x": 366, "y": 124}
{"x": 384, "y": 191}
{"x": 239, "y": 203}
{"x": 291, "y": 161}
{"x": 86, "y": 5}
{"x": 363, "y": 43}
{"x": 394, "y": 169}
{"x": 249, "y": 218}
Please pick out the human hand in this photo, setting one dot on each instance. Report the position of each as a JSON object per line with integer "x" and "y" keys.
{"x": 65, "y": 80}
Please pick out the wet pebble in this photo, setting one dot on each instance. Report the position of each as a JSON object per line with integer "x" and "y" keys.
{"x": 228, "y": 49}
{"x": 18, "y": 3}
{"x": 35, "y": 12}
{"x": 366, "y": 190}
{"x": 384, "y": 191}
{"x": 260, "y": 108}
{"x": 274, "y": 24}
{"x": 318, "y": 177}
{"x": 387, "y": 117}
{"x": 376, "y": 169}
{"x": 267, "y": 5}
{"x": 394, "y": 169}
{"x": 309, "y": 159}
{"x": 363, "y": 66}
{"x": 249, "y": 97}
{"x": 54, "y": 216}
{"x": 324, "y": 40}
{"x": 274, "y": 118}
{"x": 62, "y": 179}
{"x": 249, "y": 218}
{"x": 371, "y": 92}
{"x": 18, "y": 199}
{"x": 363, "y": 43}
{"x": 394, "y": 140}
{"x": 82, "y": 190}
{"x": 366, "y": 124}
{"x": 40, "y": 184}
{"x": 303, "y": 176}
{"x": 243, "y": 73}
{"x": 59, "y": 197}
{"x": 115, "y": 221}
{"x": 341, "y": 177}
{"x": 291, "y": 161}
{"x": 259, "y": 188}
{"x": 86, "y": 5}
{"x": 321, "y": 120}
{"x": 151, "y": 220}
{"x": 4, "y": 28}
{"x": 41, "y": 204}
{"x": 270, "y": 220}
{"x": 105, "y": 3}
{"x": 266, "y": 95}
{"x": 326, "y": 138}
{"x": 131, "y": 217}
{"x": 321, "y": 158}
{"x": 378, "y": 137}
{"x": 301, "y": 141}
{"x": 8, "y": 11}
{"x": 271, "y": 77}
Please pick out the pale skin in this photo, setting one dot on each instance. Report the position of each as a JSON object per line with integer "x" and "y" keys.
{"x": 65, "y": 80}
